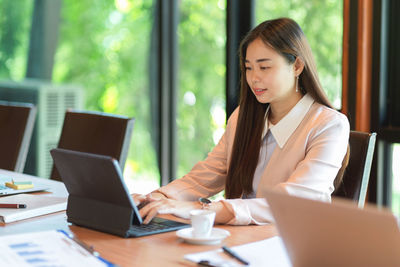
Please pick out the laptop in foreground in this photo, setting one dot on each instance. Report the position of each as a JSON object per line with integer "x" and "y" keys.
{"x": 98, "y": 197}
{"x": 339, "y": 234}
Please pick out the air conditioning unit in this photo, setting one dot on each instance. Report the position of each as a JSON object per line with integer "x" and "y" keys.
{"x": 51, "y": 100}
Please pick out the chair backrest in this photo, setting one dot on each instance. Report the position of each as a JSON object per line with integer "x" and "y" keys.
{"x": 97, "y": 133}
{"x": 356, "y": 176}
{"x": 16, "y": 126}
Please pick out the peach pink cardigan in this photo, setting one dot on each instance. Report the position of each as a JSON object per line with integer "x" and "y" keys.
{"x": 305, "y": 166}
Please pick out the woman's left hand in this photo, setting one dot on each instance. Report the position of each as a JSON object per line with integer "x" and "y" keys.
{"x": 167, "y": 206}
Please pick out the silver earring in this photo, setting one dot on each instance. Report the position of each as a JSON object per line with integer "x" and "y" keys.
{"x": 297, "y": 84}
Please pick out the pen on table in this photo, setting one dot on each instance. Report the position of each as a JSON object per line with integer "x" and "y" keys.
{"x": 89, "y": 249}
{"x": 234, "y": 255}
{"x": 12, "y": 206}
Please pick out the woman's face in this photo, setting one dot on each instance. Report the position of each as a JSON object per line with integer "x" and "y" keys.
{"x": 270, "y": 77}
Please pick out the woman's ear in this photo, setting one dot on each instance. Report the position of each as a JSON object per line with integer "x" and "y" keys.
{"x": 298, "y": 66}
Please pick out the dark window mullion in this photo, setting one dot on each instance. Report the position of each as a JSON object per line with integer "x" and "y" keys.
{"x": 164, "y": 104}
{"x": 43, "y": 39}
{"x": 239, "y": 20}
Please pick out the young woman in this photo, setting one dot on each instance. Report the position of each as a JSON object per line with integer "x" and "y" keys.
{"x": 284, "y": 136}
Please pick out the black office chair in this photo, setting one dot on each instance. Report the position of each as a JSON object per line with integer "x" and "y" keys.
{"x": 356, "y": 176}
{"x": 16, "y": 127}
{"x": 96, "y": 132}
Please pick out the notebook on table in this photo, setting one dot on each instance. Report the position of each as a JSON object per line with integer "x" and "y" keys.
{"x": 98, "y": 197}
{"x": 35, "y": 205}
{"x": 339, "y": 234}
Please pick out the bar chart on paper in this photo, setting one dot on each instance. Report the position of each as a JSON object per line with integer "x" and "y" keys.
{"x": 49, "y": 248}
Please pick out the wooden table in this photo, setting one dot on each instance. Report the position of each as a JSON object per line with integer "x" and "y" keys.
{"x": 156, "y": 250}
{"x": 163, "y": 249}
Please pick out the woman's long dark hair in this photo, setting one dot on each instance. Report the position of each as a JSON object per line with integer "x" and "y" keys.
{"x": 285, "y": 36}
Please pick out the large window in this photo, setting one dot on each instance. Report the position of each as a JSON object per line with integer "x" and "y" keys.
{"x": 105, "y": 48}
{"x": 322, "y": 23}
{"x": 111, "y": 62}
{"x": 201, "y": 94}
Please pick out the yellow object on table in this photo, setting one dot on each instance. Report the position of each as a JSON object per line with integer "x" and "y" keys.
{"x": 18, "y": 186}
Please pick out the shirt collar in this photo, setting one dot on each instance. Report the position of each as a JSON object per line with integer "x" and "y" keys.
{"x": 288, "y": 124}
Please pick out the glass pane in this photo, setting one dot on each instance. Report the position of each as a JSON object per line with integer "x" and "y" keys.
{"x": 15, "y": 24}
{"x": 201, "y": 95}
{"x": 396, "y": 180}
{"x": 105, "y": 48}
{"x": 322, "y": 23}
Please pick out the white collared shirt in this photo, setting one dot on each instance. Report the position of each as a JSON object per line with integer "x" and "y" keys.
{"x": 278, "y": 134}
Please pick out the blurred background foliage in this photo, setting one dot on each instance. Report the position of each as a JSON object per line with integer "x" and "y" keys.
{"x": 201, "y": 97}
{"x": 15, "y": 24}
{"x": 105, "y": 47}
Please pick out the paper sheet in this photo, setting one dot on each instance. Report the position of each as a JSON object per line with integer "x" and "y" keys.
{"x": 268, "y": 252}
{"x": 49, "y": 248}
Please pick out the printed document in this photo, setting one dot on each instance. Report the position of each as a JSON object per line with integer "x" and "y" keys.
{"x": 268, "y": 252}
{"x": 48, "y": 248}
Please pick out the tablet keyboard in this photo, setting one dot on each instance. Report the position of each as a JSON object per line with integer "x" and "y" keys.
{"x": 157, "y": 225}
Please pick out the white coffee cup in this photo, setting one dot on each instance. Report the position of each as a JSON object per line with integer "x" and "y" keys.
{"x": 202, "y": 222}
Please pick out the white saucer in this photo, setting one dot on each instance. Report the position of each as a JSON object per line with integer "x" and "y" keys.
{"x": 215, "y": 237}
